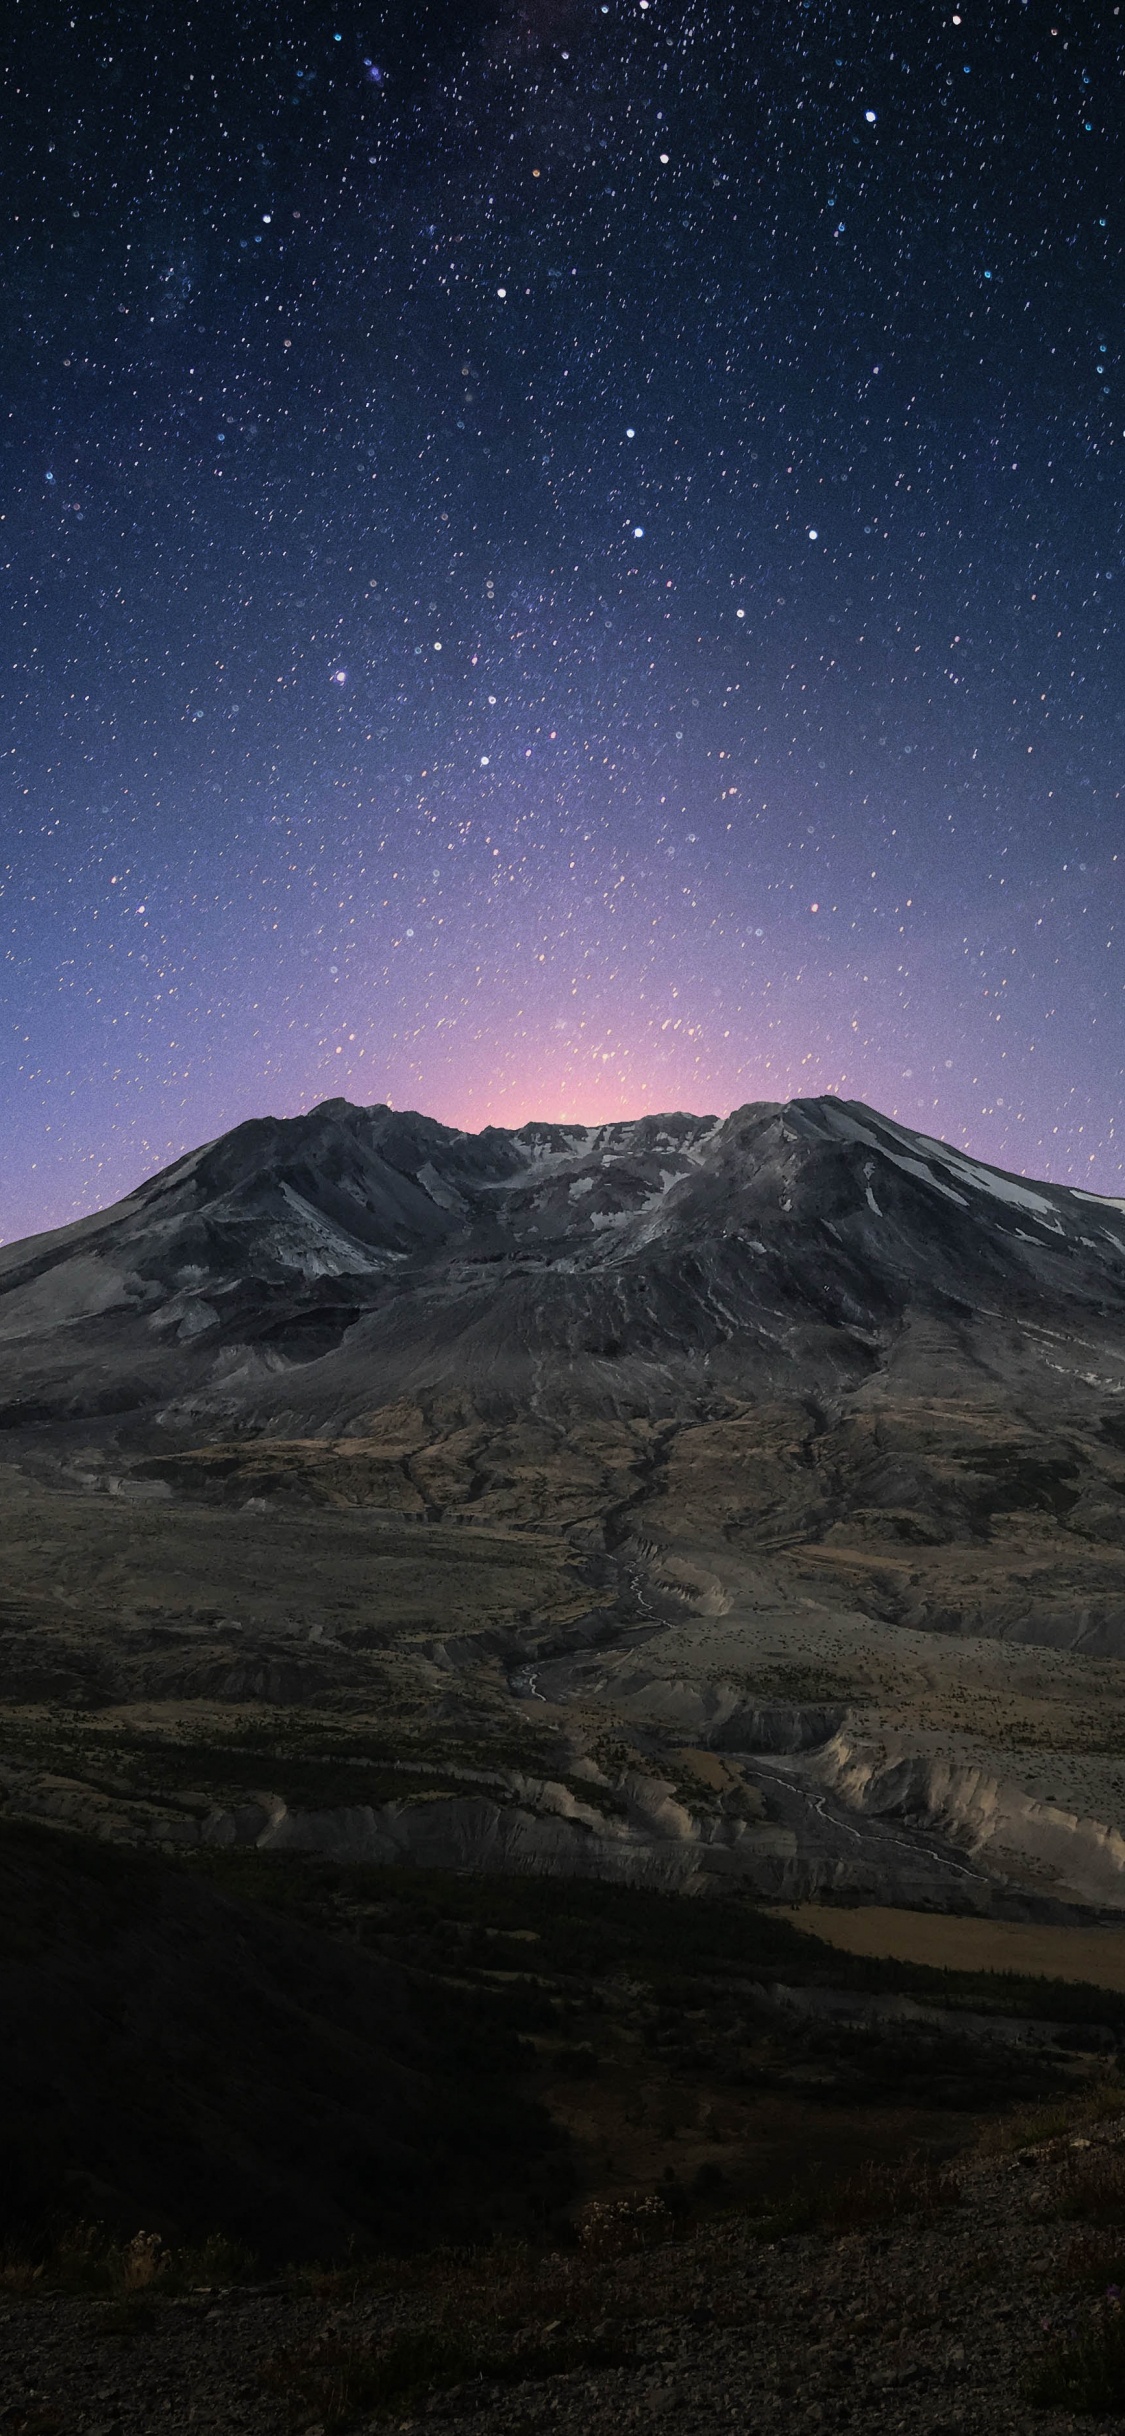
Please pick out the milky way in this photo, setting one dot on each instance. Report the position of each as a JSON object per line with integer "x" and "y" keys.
{"x": 562, "y": 559}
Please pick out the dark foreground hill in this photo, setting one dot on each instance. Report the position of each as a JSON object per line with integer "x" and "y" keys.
{"x": 174, "y": 2060}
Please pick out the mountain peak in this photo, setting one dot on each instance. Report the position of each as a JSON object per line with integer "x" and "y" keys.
{"x": 350, "y": 1252}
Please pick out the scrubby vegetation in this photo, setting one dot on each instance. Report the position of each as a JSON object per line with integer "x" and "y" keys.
{"x": 337, "y": 2380}
{"x": 86, "y": 2258}
{"x": 1086, "y": 2373}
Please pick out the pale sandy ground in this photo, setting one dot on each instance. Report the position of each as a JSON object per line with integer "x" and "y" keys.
{"x": 1093, "y": 1954}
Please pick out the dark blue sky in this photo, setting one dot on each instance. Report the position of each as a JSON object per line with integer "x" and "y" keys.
{"x": 561, "y": 559}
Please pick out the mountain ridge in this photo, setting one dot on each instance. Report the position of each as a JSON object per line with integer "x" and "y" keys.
{"x": 647, "y": 1258}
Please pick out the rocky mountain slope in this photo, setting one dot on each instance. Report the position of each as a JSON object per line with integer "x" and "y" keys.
{"x": 304, "y": 1270}
{"x": 529, "y": 1472}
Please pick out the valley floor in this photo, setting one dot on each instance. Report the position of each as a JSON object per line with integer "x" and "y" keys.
{"x": 950, "y": 1943}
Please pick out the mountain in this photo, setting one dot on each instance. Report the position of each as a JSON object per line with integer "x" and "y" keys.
{"x": 298, "y": 1271}
{"x": 793, "y": 1445}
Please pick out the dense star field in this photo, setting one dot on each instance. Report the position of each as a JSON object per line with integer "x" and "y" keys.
{"x": 562, "y": 558}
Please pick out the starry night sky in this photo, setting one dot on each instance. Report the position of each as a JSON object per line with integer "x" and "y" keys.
{"x": 561, "y": 560}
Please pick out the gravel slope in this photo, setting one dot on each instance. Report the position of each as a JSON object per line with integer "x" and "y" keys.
{"x": 925, "y": 2324}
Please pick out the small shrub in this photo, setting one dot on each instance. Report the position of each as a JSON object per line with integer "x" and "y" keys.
{"x": 880, "y": 2193}
{"x": 613, "y": 2228}
{"x": 18, "y": 2272}
{"x": 1031, "y": 2126}
{"x": 217, "y": 2260}
{"x": 1097, "y": 2261}
{"x": 1087, "y": 2373}
{"x": 86, "y": 2258}
{"x": 877, "y": 2194}
{"x": 144, "y": 2261}
{"x": 1092, "y": 2188}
